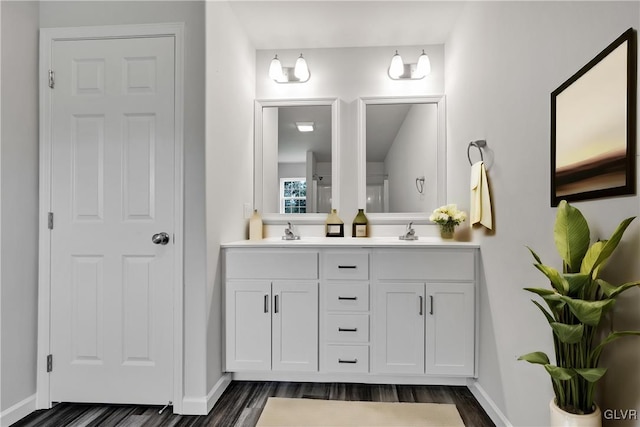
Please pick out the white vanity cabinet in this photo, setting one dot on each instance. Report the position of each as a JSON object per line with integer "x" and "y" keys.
{"x": 271, "y": 310}
{"x": 352, "y": 310}
{"x": 425, "y": 312}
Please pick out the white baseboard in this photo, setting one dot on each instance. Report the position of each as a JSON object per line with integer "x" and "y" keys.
{"x": 489, "y": 406}
{"x": 217, "y": 390}
{"x": 18, "y": 411}
{"x": 203, "y": 405}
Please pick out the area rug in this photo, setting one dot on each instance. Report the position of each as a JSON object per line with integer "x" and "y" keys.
{"x": 284, "y": 412}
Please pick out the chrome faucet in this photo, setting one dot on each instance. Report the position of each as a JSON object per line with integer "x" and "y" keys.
{"x": 410, "y": 233}
{"x": 289, "y": 234}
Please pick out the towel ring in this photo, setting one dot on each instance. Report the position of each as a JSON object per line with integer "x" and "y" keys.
{"x": 478, "y": 144}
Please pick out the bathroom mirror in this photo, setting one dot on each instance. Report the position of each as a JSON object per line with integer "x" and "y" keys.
{"x": 402, "y": 157}
{"x": 296, "y": 159}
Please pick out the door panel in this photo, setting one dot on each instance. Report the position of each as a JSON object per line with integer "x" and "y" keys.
{"x": 399, "y": 328}
{"x": 112, "y": 188}
{"x": 248, "y": 319}
{"x": 450, "y": 329}
{"x": 295, "y": 326}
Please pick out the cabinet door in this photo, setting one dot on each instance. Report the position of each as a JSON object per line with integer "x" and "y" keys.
{"x": 295, "y": 326}
{"x": 450, "y": 329}
{"x": 248, "y": 325}
{"x": 399, "y": 320}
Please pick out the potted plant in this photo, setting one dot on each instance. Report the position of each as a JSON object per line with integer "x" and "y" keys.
{"x": 576, "y": 306}
{"x": 447, "y": 217}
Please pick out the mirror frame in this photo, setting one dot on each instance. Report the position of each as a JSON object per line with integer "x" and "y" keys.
{"x": 258, "y": 196}
{"x": 441, "y": 190}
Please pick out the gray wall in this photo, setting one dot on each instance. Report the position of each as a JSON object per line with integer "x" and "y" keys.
{"x": 229, "y": 157}
{"x": 80, "y": 13}
{"x": 18, "y": 201}
{"x": 502, "y": 62}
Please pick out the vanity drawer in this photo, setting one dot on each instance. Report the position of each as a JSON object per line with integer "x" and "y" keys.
{"x": 436, "y": 264}
{"x": 346, "y": 265}
{"x": 347, "y": 296}
{"x": 271, "y": 264}
{"x": 351, "y": 328}
{"x": 347, "y": 358}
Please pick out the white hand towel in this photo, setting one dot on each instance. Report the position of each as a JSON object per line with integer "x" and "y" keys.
{"x": 480, "y": 199}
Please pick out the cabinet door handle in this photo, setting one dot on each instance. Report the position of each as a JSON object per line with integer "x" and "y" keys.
{"x": 347, "y": 361}
{"x": 420, "y": 305}
{"x": 266, "y": 303}
{"x": 275, "y": 303}
{"x": 347, "y": 329}
{"x": 348, "y": 266}
{"x": 431, "y": 305}
{"x": 347, "y": 298}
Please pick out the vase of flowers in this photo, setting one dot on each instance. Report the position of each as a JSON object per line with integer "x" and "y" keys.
{"x": 447, "y": 217}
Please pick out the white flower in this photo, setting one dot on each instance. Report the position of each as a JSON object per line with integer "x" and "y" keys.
{"x": 448, "y": 214}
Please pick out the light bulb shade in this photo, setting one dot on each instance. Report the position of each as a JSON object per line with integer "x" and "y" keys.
{"x": 275, "y": 69}
{"x": 396, "y": 69}
{"x": 301, "y": 70}
{"x": 424, "y": 66}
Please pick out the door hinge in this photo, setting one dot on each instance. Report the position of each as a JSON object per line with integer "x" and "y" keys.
{"x": 50, "y": 221}
{"x": 49, "y": 362}
{"x": 52, "y": 80}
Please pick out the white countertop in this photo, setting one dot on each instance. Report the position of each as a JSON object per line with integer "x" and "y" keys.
{"x": 361, "y": 242}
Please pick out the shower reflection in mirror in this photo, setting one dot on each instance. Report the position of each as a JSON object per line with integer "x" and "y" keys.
{"x": 401, "y": 157}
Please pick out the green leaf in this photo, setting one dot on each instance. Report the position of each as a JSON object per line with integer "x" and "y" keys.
{"x": 611, "y": 244}
{"x": 562, "y": 374}
{"x": 548, "y": 315}
{"x": 571, "y": 234}
{"x": 595, "y": 354}
{"x": 568, "y": 334}
{"x": 536, "y": 357}
{"x": 591, "y": 257}
{"x": 557, "y": 281}
{"x": 541, "y": 291}
{"x": 591, "y": 374}
{"x": 589, "y": 312}
{"x": 577, "y": 282}
{"x": 535, "y": 255}
{"x": 612, "y": 291}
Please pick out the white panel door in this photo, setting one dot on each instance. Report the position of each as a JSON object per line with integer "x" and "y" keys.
{"x": 112, "y": 189}
{"x": 248, "y": 325}
{"x": 399, "y": 328}
{"x": 295, "y": 326}
{"x": 450, "y": 329}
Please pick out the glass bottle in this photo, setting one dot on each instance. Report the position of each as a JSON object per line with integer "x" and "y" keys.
{"x": 334, "y": 226}
{"x": 255, "y": 226}
{"x": 360, "y": 225}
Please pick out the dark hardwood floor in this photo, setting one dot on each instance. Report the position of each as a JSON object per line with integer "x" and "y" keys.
{"x": 242, "y": 403}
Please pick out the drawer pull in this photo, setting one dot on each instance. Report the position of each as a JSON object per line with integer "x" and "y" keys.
{"x": 348, "y": 266}
{"x": 347, "y": 361}
{"x": 347, "y": 329}
{"x": 347, "y": 298}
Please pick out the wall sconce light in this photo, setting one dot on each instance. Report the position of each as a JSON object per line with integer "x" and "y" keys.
{"x": 296, "y": 74}
{"x": 398, "y": 70}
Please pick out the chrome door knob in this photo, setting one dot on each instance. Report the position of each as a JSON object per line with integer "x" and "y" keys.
{"x": 160, "y": 238}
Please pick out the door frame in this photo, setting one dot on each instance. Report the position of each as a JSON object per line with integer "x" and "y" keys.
{"x": 47, "y": 37}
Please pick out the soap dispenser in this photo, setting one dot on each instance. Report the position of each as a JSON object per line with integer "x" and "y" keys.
{"x": 255, "y": 226}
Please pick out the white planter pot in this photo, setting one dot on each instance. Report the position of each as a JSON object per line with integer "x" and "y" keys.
{"x": 560, "y": 418}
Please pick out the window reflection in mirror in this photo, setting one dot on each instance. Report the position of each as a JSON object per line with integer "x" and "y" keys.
{"x": 297, "y": 159}
{"x": 401, "y": 157}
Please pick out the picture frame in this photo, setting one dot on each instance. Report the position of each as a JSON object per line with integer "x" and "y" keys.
{"x": 593, "y": 126}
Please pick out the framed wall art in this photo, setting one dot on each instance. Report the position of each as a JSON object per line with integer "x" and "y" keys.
{"x": 593, "y": 126}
